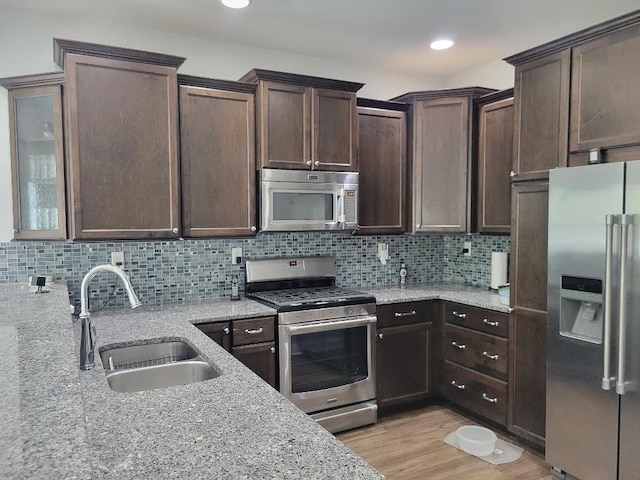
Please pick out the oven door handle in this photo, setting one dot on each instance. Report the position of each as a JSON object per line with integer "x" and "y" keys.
{"x": 331, "y": 325}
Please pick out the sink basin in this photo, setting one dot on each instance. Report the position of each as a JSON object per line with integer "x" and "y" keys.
{"x": 160, "y": 376}
{"x": 146, "y": 355}
{"x": 148, "y": 366}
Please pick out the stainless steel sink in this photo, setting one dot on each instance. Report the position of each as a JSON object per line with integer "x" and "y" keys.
{"x": 160, "y": 376}
{"x": 146, "y": 355}
{"x": 136, "y": 368}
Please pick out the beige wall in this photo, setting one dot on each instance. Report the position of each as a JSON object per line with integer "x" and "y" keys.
{"x": 26, "y": 47}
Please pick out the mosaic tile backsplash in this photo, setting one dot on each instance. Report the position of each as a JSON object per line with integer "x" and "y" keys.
{"x": 180, "y": 270}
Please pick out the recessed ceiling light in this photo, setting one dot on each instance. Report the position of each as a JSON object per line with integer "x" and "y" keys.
{"x": 441, "y": 44}
{"x": 236, "y": 3}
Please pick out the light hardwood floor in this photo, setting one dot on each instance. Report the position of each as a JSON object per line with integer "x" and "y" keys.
{"x": 410, "y": 446}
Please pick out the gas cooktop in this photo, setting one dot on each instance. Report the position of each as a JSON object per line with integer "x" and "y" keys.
{"x": 312, "y": 297}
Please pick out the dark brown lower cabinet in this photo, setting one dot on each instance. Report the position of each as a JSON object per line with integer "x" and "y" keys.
{"x": 528, "y": 375}
{"x": 251, "y": 340}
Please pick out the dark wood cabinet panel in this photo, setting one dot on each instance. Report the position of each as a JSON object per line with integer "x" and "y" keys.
{"x": 403, "y": 364}
{"x": 441, "y": 165}
{"x": 527, "y": 375}
{"x": 495, "y": 157}
{"x": 123, "y": 148}
{"x": 382, "y": 165}
{"x": 218, "y": 162}
{"x": 541, "y": 109}
{"x": 484, "y": 353}
{"x": 335, "y": 130}
{"x": 487, "y": 321}
{"x": 528, "y": 259}
{"x": 605, "y": 109}
{"x": 284, "y": 125}
{"x": 219, "y": 332}
{"x": 405, "y": 313}
{"x": 260, "y": 358}
{"x": 253, "y": 330}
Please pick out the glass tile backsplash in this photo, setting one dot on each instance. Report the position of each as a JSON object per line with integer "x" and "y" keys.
{"x": 180, "y": 270}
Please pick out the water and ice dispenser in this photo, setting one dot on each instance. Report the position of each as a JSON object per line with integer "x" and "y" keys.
{"x": 581, "y": 308}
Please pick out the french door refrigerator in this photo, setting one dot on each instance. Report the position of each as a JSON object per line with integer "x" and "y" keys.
{"x": 593, "y": 336}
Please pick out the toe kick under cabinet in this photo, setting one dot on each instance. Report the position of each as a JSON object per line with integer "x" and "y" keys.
{"x": 476, "y": 350}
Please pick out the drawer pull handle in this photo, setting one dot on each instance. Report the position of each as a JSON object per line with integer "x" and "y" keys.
{"x": 254, "y": 331}
{"x": 489, "y": 356}
{"x": 405, "y": 314}
{"x": 459, "y": 386}
{"x": 489, "y": 399}
{"x": 459, "y": 314}
{"x": 490, "y": 323}
{"x": 460, "y": 346}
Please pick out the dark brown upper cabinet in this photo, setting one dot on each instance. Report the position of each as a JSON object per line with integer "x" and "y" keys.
{"x": 495, "y": 154}
{"x": 305, "y": 122}
{"x": 605, "y": 107}
{"x": 541, "y": 109}
{"x": 217, "y": 133}
{"x": 441, "y": 151}
{"x": 37, "y": 156}
{"x": 382, "y": 160}
{"x": 122, "y": 119}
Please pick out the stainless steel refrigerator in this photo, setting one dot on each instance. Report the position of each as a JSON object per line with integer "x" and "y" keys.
{"x": 593, "y": 336}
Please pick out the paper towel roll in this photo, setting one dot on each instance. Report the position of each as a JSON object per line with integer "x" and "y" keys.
{"x": 498, "y": 269}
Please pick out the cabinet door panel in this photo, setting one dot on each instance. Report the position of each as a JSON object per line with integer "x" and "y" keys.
{"x": 253, "y": 330}
{"x": 284, "y": 123}
{"x": 335, "y": 130}
{"x": 219, "y": 332}
{"x": 218, "y": 162}
{"x": 403, "y": 363}
{"x": 441, "y": 166}
{"x": 541, "y": 100}
{"x": 382, "y": 162}
{"x": 604, "y": 110}
{"x": 260, "y": 358}
{"x": 495, "y": 157}
{"x": 123, "y": 153}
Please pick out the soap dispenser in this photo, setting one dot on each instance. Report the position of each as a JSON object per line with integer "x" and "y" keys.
{"x": 235, "y": 295}
{"x": 403, "y": 275}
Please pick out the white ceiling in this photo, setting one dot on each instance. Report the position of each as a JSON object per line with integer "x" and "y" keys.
{"x": 390, "y": 35}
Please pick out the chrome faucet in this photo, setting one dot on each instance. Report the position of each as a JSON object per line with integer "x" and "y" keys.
{"x": 87, "y": 340}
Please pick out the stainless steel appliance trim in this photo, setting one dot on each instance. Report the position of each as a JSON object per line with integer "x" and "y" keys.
{"x": 329, "y": 313}
{"x": 625, "y": 221}
{"x": 290, "y": 268}
{"x": 324, "y": 326}
{"x": 306, "y": 176}
{"x": 345, "y": 418}
{"x": 607, "y": 379}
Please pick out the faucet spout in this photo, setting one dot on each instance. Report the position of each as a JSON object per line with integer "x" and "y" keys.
{"x": 87, "y": 339}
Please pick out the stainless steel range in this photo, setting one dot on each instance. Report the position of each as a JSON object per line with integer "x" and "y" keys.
{"x": 326, "y": 339}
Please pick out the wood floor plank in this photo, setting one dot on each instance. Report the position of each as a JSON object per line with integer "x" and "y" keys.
{"x": 410, "y": 446}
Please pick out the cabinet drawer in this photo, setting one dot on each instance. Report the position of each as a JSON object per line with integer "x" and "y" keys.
{"x": 488, "y": 321}
{"x": 406, "y": 313}
{"x": 482, "y": 394}
{"x": 253, "y": 330}
{"x": 484, "y": 353}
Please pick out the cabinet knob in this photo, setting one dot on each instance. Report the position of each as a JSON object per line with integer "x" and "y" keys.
{"x": 459, "y": 386}
{"x": 308, "y": 162}
{"x": 512, "y": 174}
{"x": 174, "y": 229}
{"x": 14, "y": 230}
{"x": 253, "y": 228}
{"x": 226, "y": 330}
{"x": 381, "y": 335}
{"x": 418, "y": 225}
{"x": 317, "y": 163}
{"x": 272, "y": 349}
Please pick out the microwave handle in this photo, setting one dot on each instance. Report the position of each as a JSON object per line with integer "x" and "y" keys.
{"x": 341, "y": 217}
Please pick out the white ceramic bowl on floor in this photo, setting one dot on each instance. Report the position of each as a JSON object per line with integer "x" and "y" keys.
{"x": 475, "y": 440}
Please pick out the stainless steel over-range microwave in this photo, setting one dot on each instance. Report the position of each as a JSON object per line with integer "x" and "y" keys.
{"x": 295, "y": 200}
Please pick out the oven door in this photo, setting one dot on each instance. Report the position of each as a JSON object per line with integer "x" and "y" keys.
{"x": 328, "y": 364}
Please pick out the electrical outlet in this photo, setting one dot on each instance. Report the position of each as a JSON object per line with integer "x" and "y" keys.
{"x": 466, "y": 250}
{"x": 236, "y": 255}
{"x": 117, "y": 259}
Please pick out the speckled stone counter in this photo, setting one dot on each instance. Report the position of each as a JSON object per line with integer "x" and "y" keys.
{"x": 60, "y": 422}
{"x": 473, "y": 296}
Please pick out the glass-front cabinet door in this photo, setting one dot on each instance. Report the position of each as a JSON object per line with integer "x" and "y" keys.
{"x": 35, "y": 116}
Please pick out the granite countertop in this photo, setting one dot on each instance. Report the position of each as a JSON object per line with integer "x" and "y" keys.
{"x": 473, "y": 296}
{"x": 60, "y": 422}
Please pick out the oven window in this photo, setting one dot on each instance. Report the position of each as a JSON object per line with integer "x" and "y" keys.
{"x": 328, "y": 359}
{"x": 296, "y": 206}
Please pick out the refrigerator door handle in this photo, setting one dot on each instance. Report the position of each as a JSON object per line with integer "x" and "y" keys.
{"x": 608, "y": 380}
{"x": 625, "y": 221}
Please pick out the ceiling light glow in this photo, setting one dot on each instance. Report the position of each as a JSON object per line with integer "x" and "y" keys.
{"x": 236, "y": 3}
{"x": 442, "y": 44}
